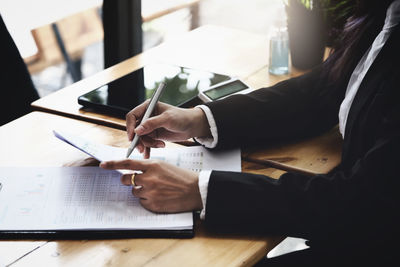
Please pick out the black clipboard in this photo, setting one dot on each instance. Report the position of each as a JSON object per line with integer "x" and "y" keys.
{"x": 94, "y": 234}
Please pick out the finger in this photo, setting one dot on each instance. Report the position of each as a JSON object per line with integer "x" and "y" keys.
{"x": 153, "y": 124}
{"x": 130, "y": 125}
{"x": 126, "y": 164}
{"x": 150, "y": 142}
{"x": 126, "y": 179}
{"x": 140, "y": 147}
{"x": 133, "y": 117}
{"x": 146, "y": 153}
{"x": 137, "y": 191}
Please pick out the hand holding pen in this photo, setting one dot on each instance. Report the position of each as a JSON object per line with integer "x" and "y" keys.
{"x": 171, "y": 124}
{"x": 154, "y": 99}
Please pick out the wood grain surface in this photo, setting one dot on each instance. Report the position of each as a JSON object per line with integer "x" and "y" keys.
{"x": 311, "y": 156}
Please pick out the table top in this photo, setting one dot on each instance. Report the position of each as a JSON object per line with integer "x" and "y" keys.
{"x": 218, "y": 49}
{"x": 38, "y": 147}
{"x": 317, "y": 155}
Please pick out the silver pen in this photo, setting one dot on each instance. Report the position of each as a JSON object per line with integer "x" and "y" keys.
{"x": 147, "y": 114}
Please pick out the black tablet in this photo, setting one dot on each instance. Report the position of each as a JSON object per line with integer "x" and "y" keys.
{"x": 121, "y": 95}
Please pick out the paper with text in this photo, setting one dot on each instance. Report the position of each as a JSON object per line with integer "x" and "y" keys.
{"x": 77, "y": 198}
{"x": 194, "y": 158}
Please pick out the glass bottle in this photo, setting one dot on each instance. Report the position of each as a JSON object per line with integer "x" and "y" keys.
{"x": 279, "y": 47}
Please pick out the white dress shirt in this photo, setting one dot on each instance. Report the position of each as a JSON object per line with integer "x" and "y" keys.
{"x": 391, "y": 20}
{"x": 204, "y": 175}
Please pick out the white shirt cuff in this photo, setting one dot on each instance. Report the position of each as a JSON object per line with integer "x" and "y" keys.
{"x": 212, "y": 141}
{"x": 204, "y": 177}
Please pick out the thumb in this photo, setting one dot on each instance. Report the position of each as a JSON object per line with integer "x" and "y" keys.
{"x": 151, "y": 124}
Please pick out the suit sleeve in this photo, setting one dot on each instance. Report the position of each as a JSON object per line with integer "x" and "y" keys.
{"x": 361, "y": 202}
{"x": 298, "y": 107}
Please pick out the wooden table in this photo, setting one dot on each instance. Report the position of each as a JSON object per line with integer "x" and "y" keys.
{"x": 29, "y": 141}
{"x": 218, "y": 49}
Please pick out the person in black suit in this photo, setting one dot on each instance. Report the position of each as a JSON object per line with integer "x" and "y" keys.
{"x": 17, "y": 89}
{"x": 349, "y": 216}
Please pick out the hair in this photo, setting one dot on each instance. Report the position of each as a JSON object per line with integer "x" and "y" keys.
{"x": 358, "y": 34}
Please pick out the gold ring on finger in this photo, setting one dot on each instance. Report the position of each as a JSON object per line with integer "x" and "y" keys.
{"x": 133, "y": 179}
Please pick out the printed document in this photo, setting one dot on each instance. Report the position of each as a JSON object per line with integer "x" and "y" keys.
{"x": 91, "y": 198}
{"x": 194, "y": 158}
{"x": 78, "y": 198}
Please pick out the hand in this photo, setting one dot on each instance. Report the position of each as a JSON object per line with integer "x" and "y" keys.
{"x": 164, "y": 187}
{"x": 168, "y": 123}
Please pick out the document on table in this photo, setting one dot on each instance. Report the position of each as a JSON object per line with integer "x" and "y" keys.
{"x": 79, "y": 198}
{"x": 34, "y": 199}
{"x": 195, "y": 158}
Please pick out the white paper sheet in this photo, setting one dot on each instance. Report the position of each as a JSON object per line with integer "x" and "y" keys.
{"x": 59, "y": 198}
{"x": 194, "y": 158}
{"x": 288, "y": 245}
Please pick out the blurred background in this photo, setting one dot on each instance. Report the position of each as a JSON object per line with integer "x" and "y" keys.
{"x": 78, "y": 23}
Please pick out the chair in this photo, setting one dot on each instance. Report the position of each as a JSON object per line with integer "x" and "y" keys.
{"x": 16, "y": 87}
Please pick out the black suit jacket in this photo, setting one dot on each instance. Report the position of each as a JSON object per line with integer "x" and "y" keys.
{"x": 353, "y": 208}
